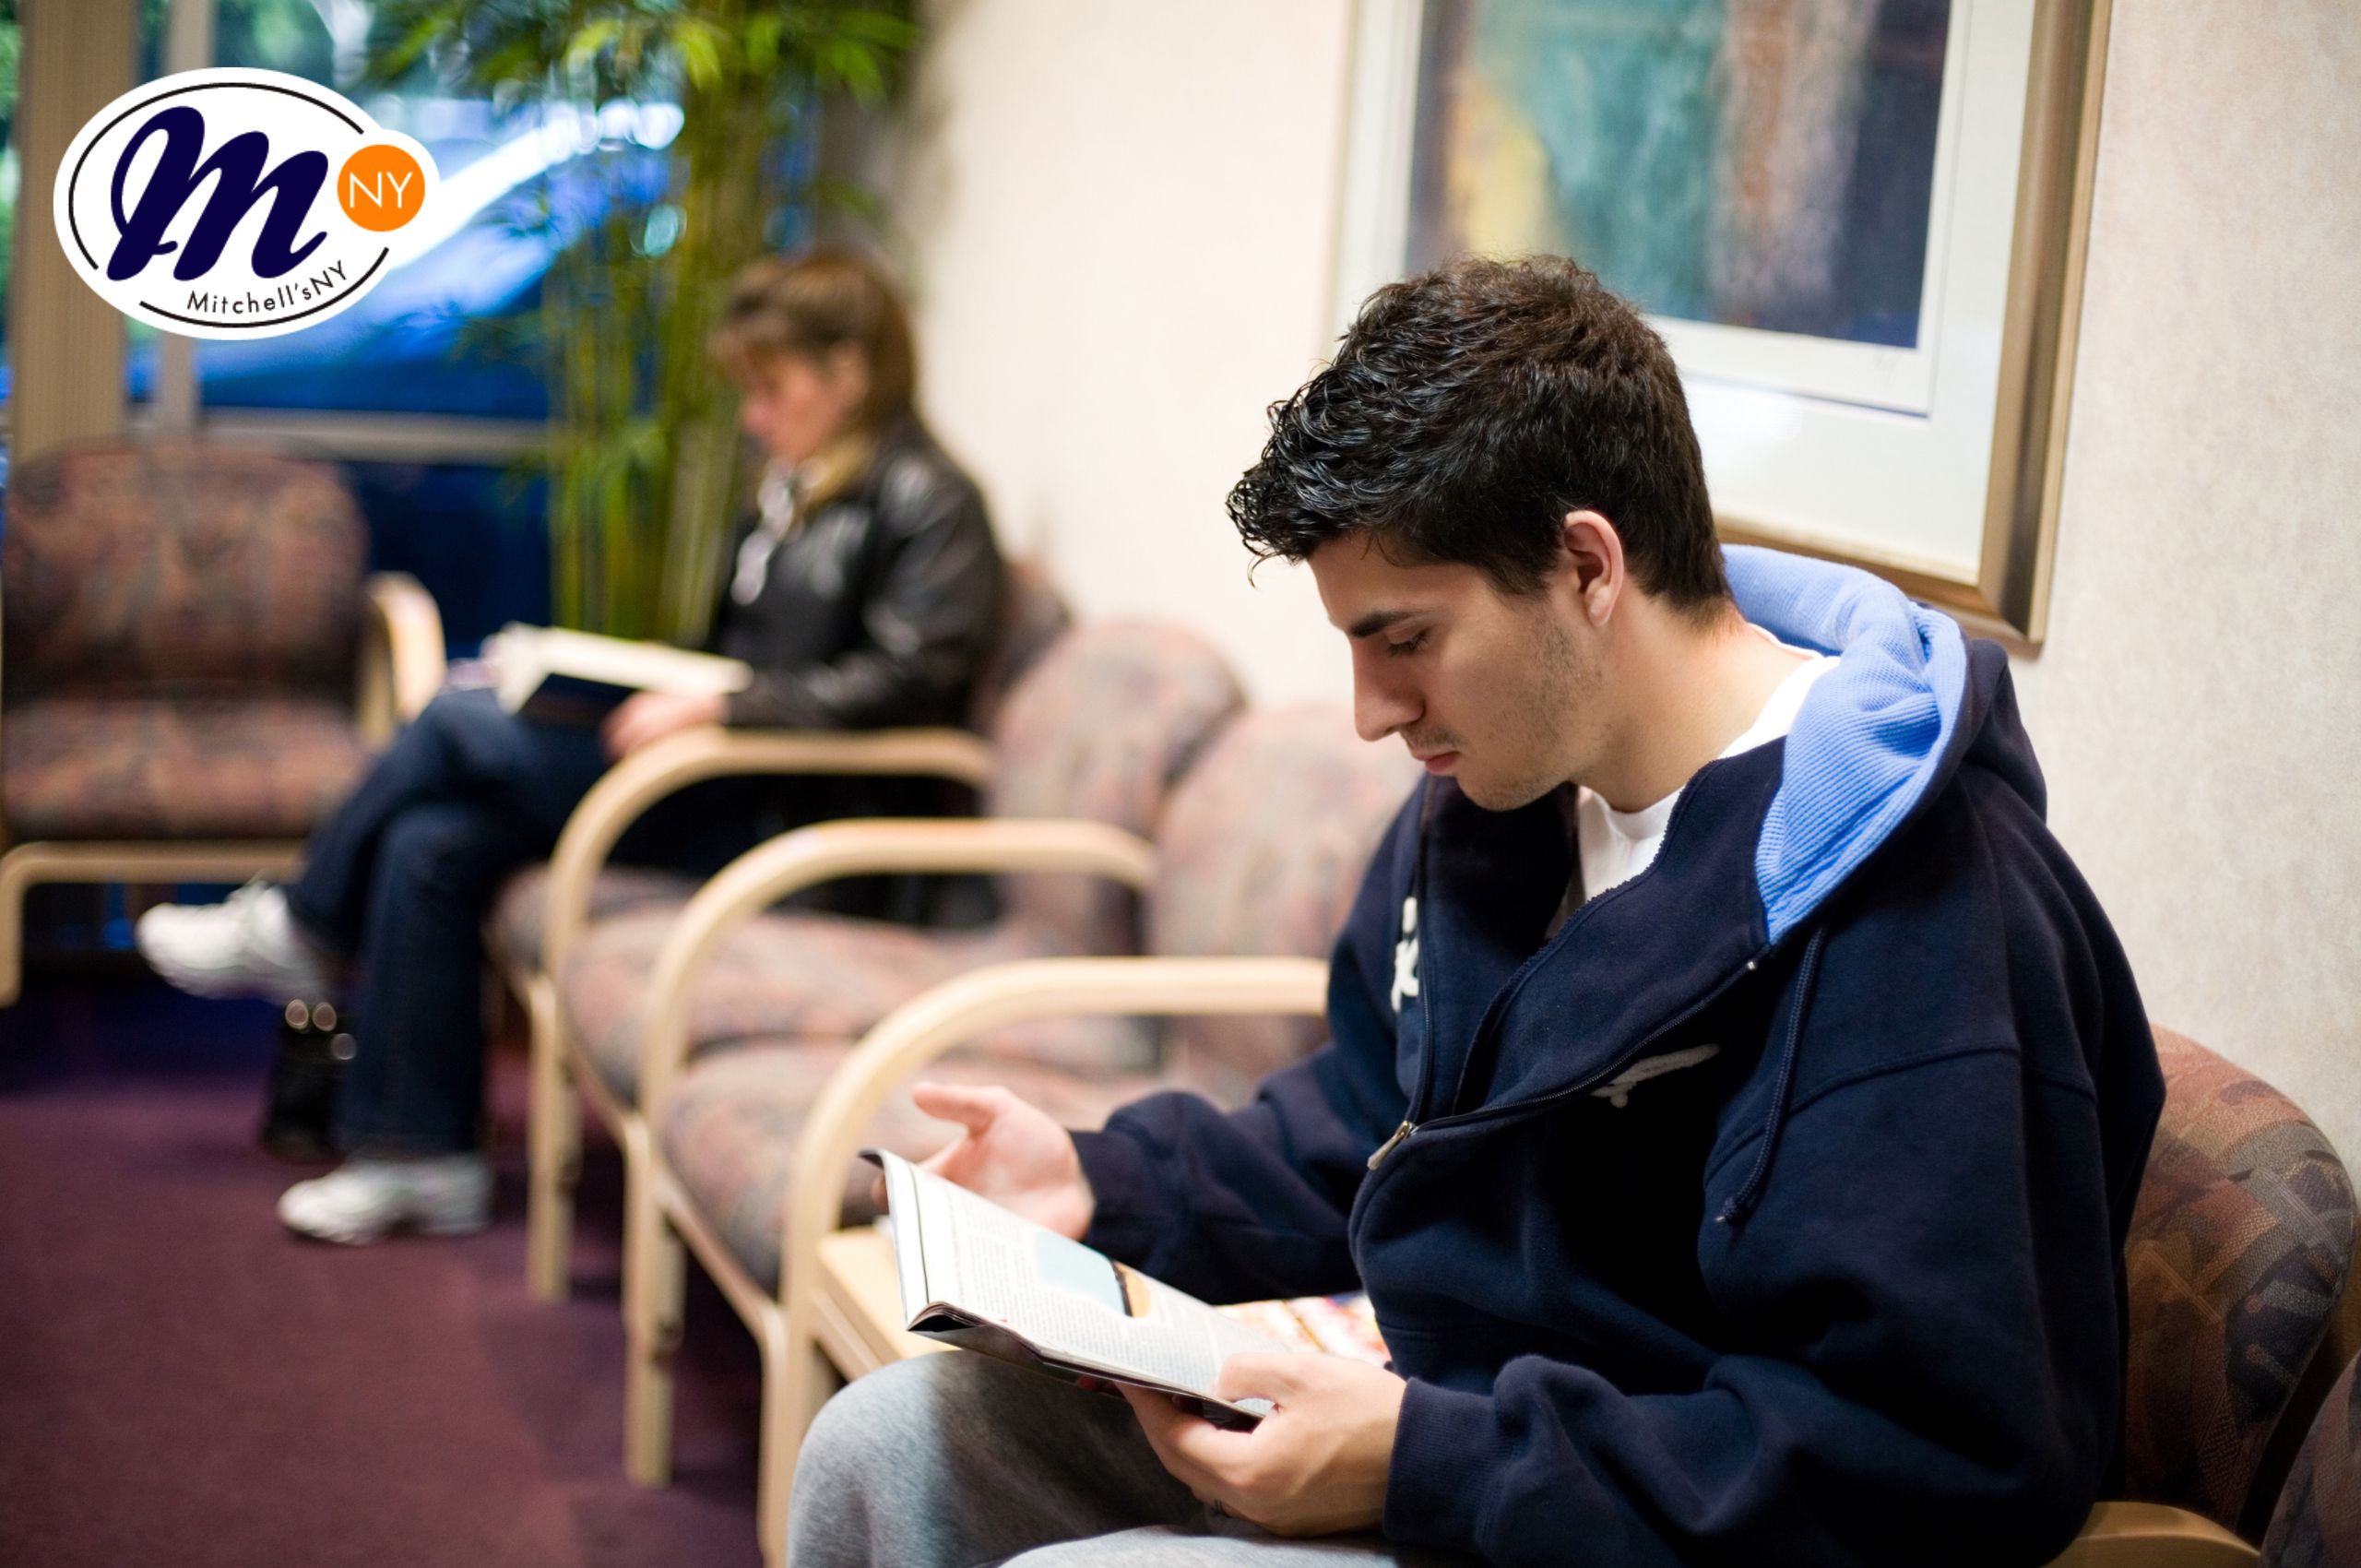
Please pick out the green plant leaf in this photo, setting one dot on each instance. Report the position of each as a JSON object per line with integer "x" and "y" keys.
{"x": 585, "y": 45}
{"x": 702, "y": 47}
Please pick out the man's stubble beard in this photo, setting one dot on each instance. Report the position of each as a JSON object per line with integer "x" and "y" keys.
{"x": 1551, "y": 703}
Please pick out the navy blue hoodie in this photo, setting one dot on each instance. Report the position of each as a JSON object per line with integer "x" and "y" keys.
{"x": 1770, "y": 1212}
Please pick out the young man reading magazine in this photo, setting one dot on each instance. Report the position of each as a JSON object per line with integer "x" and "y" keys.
{"x": 1735, "y": 1102}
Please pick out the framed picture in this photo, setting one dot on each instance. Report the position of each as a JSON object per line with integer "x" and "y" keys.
{"x": 1858, "y": 224}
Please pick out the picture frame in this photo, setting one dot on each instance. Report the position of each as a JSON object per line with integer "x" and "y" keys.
{"x": 1925, "y": 440}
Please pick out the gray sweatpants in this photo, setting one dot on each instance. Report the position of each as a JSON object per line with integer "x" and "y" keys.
{"x": 958, "y": 1460}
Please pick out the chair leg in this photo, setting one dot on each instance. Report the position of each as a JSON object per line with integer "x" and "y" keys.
{"x": 14, "y": 877}
{"x": 553, "y": 1151}
{"x": 797, "y": 1379}
{"x": 654, "y": 1265}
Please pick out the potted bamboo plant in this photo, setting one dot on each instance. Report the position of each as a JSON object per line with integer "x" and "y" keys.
{"x": 647, "y": 233}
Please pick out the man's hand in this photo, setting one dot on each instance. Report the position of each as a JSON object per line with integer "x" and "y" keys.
{"x": 645, "y": 717}
{"x": 1012, "y": 1153}
{"x": 1317, "y": 1463}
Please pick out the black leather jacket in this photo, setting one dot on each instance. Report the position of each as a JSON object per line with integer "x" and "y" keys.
{"x": 879, "y": 609}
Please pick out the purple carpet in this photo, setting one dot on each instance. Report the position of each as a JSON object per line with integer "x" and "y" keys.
{"x": 182, "y": 1382}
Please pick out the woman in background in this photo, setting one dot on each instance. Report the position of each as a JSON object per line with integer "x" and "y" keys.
{"x": 865, "y": 593}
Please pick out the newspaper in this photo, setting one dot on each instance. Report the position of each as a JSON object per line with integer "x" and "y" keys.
{"x": 974, "y": 1275}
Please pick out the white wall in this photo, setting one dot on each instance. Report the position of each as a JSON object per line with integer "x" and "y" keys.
{"x": 2197, "y": 704}
{"x": 1120, "y": 217}
{"x": 1117, "y": 222}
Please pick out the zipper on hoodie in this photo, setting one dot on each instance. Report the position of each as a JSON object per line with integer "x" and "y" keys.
{"x": 1558, "y": 1097}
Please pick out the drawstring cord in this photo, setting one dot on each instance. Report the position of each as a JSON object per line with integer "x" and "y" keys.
{"x": 1742, "y": 1202}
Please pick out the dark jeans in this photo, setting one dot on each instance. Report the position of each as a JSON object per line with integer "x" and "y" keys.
{"x": 401, "y": 876}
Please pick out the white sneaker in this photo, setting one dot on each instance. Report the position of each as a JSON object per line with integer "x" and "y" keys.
{"x": 363, "y": 1199}
{"x": 248, "y": 946}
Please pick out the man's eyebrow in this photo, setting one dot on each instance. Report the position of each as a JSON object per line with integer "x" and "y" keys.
{"x": 1375, "y": 622}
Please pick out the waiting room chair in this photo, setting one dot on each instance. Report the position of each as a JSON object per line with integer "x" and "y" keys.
{"x": 1097, "y": 730}
{"x": 1253, "y": 870}
{"x": 544, "y": 909}
{"x": 193, "y": 667}
{"x": 2240, "y": 1246}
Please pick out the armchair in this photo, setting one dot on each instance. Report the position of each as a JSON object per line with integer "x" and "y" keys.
{"x": 1097, "y": 729}
{"x": 1255, "y": 863}
{"x": 544, "y": 910}
{"x": 193, "y": 666}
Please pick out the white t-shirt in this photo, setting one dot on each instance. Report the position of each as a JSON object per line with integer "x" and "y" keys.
{"x": 1618, "y": 846}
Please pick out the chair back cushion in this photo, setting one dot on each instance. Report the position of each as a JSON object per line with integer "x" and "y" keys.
{"x": 1262, "y": 849}
{"x": 2318, "y": 1522}
{"x": 1099, "y": 728}
{"x": 1032, "y": 617}
{"x": 180, "y": 568}
{"x": 2238, "y": 1248}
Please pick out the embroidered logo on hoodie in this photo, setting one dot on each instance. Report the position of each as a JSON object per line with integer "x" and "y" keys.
{"x": 1405, "y": 954}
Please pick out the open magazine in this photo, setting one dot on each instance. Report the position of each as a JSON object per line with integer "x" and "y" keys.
{"x": 557, "y": 676}
{"x": 974, "y": 1275}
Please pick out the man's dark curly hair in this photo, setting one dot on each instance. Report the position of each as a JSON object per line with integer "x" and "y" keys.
{"x": 1467, "y": 411}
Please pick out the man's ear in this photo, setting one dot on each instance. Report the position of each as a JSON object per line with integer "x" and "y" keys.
{"x": 1593, "y": 565}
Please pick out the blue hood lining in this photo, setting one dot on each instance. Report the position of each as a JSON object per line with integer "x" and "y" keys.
{"x": 1873, "y": 734}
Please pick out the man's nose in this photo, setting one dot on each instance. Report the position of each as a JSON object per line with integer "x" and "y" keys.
{"x": 1379, "y": 709}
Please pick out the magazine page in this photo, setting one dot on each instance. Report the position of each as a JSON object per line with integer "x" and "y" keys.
{"x": 1074, "y": 1305}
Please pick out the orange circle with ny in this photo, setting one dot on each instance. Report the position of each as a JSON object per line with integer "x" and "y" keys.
{"x": 381, "y": 188}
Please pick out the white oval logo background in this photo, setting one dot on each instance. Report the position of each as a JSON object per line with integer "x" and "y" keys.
{"x": 242, "y": 234}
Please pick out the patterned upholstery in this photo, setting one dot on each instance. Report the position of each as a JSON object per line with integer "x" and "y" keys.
{"x": 85, "y": 767}
{"x": 521, "y": 915}
{"x": 2318, "y": 1522}
{"x": 2238, "y": 1247}
{"x": 1032, "y": 619}
{"x": 166, "y": 569}
{"x": 812, "y": 977}
{"x": 1098, "y": 730}
{"x": 1262, "y": 850}
{"x": 181, "y": 630}
{"x": 729, "y": 1133}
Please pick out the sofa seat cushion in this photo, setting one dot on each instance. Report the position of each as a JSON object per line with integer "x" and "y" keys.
{"x": 520, "y": 916}
{"x": 730, "y": 1132}
{"x": 812, "y": 977}
{"x": 88, "y": 768}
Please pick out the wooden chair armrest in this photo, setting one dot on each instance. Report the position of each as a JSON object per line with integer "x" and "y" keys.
{"x": 708, "y": 750}
{"x": 401, "y": 661}
{"x": 2150, "y": 1535}
{"x": 856, "y": 846}
{"x": 922, "y": 1030}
